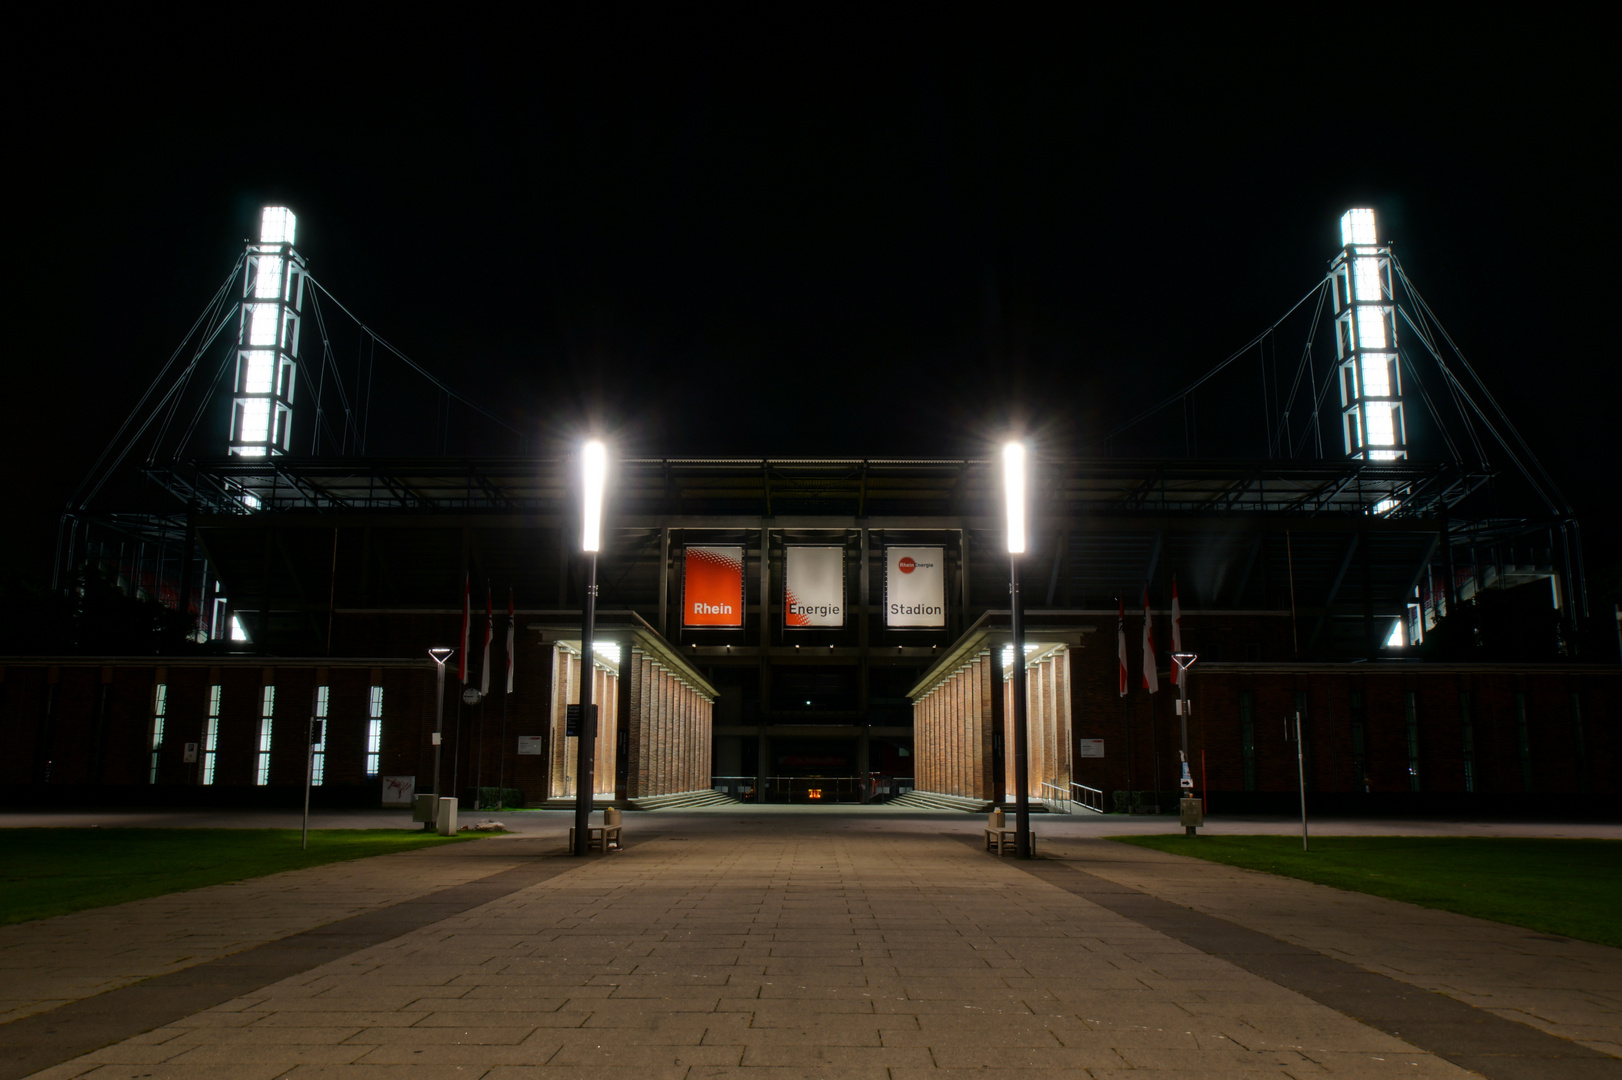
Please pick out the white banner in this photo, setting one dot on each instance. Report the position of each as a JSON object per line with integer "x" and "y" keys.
{"x": 915, "y": 587}
{"x": 813, "y": 586}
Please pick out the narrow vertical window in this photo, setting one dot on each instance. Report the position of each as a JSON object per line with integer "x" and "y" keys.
{"x": 1247, "y": 736}
{"x": 1360, "y": 755}
{"x": 1467, "y": 740}
{"x": 267, "y": 708}
{"x": 374, "y": 732}
{"x": 1523, "y": 741}
{"x": 1412, "y": 709}
{"x": 211, "y": 733}
{"x": 318, "y": 753}
{"x": 160, "y": 706}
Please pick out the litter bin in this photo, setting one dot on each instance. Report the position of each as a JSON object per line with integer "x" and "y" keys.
{"x": 447, "y": 816}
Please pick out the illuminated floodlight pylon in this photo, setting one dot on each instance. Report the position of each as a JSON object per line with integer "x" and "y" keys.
{"x": 1366, "y": 342}
{"x": 267, "y": 347}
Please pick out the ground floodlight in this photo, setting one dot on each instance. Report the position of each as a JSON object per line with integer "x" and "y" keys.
{"x": 594, "y": 473}
{"x": 1013, "y": 477}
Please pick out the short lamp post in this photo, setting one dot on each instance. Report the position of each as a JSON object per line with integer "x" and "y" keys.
{"x": 1184, "y": 661}
{"x": 594, "y": 475}
{"x": 1013, "y": 456}
{"x": 439, "y": 656}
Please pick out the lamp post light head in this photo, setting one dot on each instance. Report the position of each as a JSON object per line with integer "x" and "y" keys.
{"x": 593, "y": 475}
{"x": 1185, "y": 660}
{"x": 1013, "y": 478}
{"x": 440, "y": 655}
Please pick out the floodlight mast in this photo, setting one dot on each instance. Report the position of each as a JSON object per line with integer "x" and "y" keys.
{"x": 268, "y": 339}
{"x": 593, "y": 476}
{"x": 1366, "y": 342}
{"x": 1013, "y": 456}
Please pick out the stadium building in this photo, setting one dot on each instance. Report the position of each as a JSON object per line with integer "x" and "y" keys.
{"x": 827, "y": 631}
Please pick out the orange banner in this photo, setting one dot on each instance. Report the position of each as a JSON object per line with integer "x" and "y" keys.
{"x": 712, "y": 587}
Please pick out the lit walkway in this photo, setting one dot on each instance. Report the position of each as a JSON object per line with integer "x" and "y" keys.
{"x": 855, "y": 944}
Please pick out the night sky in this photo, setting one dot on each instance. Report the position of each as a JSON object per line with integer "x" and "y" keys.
{"x": 820, "y": 240}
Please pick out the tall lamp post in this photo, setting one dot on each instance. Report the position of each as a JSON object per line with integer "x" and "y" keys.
{"x": 440, "y": 656}
{"x": 594, "y": 473}
{"x": 1013, "y": 458}
{"x": 1187, "y": 804}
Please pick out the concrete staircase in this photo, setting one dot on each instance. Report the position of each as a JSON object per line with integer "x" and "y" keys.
{"x": 931, "y": 800}
{"x": 683, "y": 800}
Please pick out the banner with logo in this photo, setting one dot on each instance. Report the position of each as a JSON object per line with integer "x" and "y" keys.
{"x": 813, "y": 586}
{"x": 712, "y": 587}
{"x": 915, "y": 587}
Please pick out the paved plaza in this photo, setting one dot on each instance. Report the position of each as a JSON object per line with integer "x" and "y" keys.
{"x": 779, "y": 943}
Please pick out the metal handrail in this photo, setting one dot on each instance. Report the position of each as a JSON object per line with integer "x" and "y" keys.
{"x": 1058, "y": 801}
{"x": 1089, "y": 798}
{"x": 878, "y": 787}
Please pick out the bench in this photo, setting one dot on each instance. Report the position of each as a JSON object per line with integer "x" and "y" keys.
{"x": 604, "y": 837}
{"x": 1004, "y": 838}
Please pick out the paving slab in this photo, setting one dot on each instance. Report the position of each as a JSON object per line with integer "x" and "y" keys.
{"x": 821, "y": 945}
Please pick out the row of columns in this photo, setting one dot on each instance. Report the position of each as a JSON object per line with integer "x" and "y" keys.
{"x": 668, "y": 730}
{"x": 952, "y": 729}
{"x": 1048, "y": 712}
{"x": 605, "y": 691}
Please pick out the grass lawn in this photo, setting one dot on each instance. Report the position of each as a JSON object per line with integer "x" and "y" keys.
{"x": 1566, "y": 887}
{"x": 47, "y": 872}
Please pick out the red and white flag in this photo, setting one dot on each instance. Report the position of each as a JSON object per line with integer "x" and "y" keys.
{"x": 1176, "y": 630}
{"x": 1120, "y": 642}
{"x": 1151, "y": 675}
{"x": 461, "y": 661}
{"x": 512, "y": 624}
{"x": 489, "y": 635}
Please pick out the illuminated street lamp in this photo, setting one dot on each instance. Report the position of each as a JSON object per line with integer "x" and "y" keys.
{"x": 593, "y": 475}
{"x": 1013, "y": 474}
{"x": 440, "y": 656}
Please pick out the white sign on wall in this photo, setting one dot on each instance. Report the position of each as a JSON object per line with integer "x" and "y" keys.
{"x": 1090, "y": 747}
{"x": 529, "y": 745}
{"x": 399, "y": 790}
{"x": 915, "y": 587}
{"x": 813, "y": 586}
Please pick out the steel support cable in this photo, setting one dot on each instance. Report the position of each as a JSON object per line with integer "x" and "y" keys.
{"x": 1430, "y": 315}
{"x": 331, "y": 360}
{"x": 202, "y": 318}
{"x": 1503, "y": 442}
{"x": 174, "y": 389}
{"x": 185, "y": 380}
{"x": 1455, "y": 390}
{"x": 1425, "y": 395}
{"x": 1306, "y": 356}
{"x": 202, "y": 406}
{"x": 1197, "y": 383}
{"x": 420, "y": 370}
{"x": 1423, "y": 331}
{"x": 1460, "y": 390}
{"x": 328, "y": 360}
